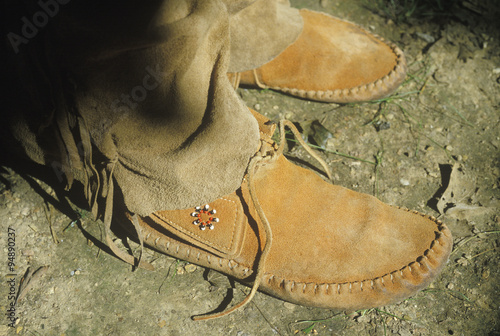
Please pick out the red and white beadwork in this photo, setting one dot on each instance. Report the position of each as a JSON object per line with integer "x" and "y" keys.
{"x": 205, "y": 217}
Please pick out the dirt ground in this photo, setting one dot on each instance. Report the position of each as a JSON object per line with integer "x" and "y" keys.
{"x": 432, "y": 147}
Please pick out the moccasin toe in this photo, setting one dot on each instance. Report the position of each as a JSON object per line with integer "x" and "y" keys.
{"x": 299, "y": 238}
{"x": 331, "y": 61}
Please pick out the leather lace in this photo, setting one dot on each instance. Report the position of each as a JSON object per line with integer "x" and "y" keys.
{"x": 236, "y": 80}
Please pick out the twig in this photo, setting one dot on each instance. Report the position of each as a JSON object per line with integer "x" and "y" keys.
{"x": 49, "y": 211}
{"x": 477, "y": 255}
{"x": 336, "y": 153}
{"x": 467, "y": 239}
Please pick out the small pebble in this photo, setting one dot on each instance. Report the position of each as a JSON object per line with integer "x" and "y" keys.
{"x": 364, "y": 319}
{"x": 404, "y": 332}
{"x": 28, "y": 253}
{"x": 432, "y": 173}
{"x": 257, "y": 107}
{"x": 190, "y": 268}
{"x": 276, "y": 107}
{"x": 404, "y": 182}
{"x": 426, "y": 37}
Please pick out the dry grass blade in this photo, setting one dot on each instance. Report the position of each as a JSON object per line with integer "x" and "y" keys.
{"x": 49, "y": 212}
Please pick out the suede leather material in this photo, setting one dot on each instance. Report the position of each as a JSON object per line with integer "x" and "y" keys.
{"x": 335, "y": 224}
{"x": 225, "y": 240}
{"x": 332, "y": 60}
{"x": 260, "y": 32}
{"x": 147, "y": 87}
{"x": 169, "y": 147}
{"x": 343, "y": 237}
{"x": 331, "y": 247}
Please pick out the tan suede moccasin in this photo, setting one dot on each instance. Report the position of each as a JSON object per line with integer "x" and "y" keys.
{"x": 331, "y": 61}
{"x": 299, "y": 238}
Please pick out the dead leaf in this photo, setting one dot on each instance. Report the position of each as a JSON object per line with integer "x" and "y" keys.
{"x": 462, "y": 211}
{"x": 29, "y": 280}
{"x": 461, "y": 187}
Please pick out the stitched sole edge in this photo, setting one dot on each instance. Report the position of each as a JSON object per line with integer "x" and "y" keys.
{"x": 371, "y": 91}
{"x": 400, "y": 283}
